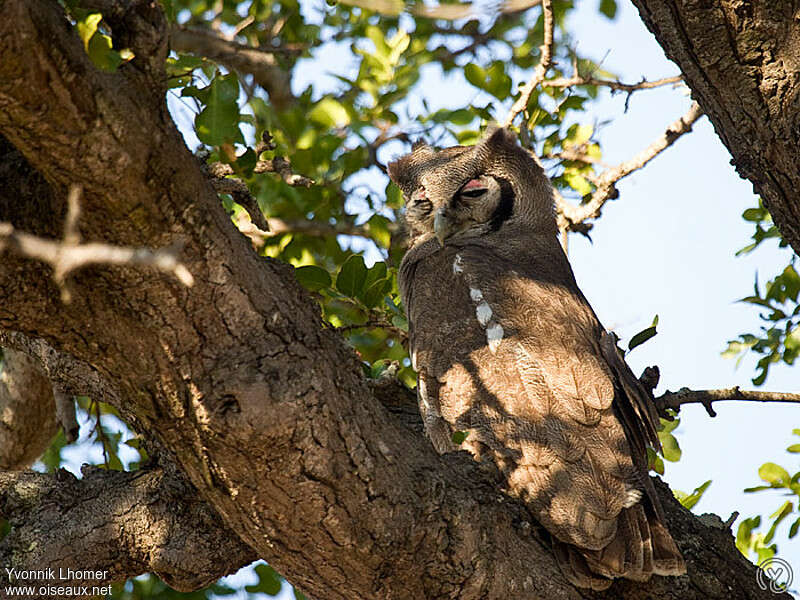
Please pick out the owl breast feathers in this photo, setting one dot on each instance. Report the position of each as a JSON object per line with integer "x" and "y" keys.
{"x": 508, "y": 350}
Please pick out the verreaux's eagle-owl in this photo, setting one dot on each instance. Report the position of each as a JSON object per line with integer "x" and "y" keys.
{"x": 508, "y": 350}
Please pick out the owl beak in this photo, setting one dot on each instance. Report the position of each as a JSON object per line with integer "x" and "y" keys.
{"x": 442, "y": 226}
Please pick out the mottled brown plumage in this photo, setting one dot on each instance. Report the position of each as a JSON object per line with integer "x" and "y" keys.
{"x": 508, "y": 350}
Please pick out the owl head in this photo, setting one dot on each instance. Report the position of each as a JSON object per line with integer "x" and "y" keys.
{"x": 466, "y": 191}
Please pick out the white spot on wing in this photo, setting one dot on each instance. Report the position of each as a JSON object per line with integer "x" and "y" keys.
{"x": 484, "y": 312}
{"x": 475, "y": 294}
{"x": 457, "y": 266}
{"x": 494, "y": 334}
{"x": 414, "y": 360}
{"x": 423, "y": 394}
{"x": 632, "y": 497}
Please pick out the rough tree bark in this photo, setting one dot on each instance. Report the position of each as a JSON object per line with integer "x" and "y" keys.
{"x": 742, "y": 61}
{"x": 236, "y": 383}
{"x": 27, "y": 411}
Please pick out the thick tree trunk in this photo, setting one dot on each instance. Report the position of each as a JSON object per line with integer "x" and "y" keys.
{"x": 237, "y": 380}
{"x": 742, "y": 61}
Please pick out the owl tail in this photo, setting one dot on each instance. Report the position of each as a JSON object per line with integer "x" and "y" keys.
{"x": 641, "y": 547}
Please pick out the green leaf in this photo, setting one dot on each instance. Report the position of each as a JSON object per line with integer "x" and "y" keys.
{"x": 312, "y": 278}
{"x": 689, "y": 500}
{"x": 378, "y": 227}
{"x": 654, "y": 462}
{"x": 51, "y": 458}
{"x": 758, "y": 488}
{"x": 774, "y": 474}
{"x": 577, "y": 182}
{"x": 461, "y": 116}
{"x": 352, "y": 276}
{"x": 375, "y": 292}
{"x": 793, "y": 448}
{"x": 103, "y": 55}
{"x": 644, "y": 335}
{"x": 577, "y": 135}
{"x": 394, "y": 197}
{"x": 247, "y": 162}
{"x": 458, "y": 437}
{"x": 744, "y": 533}
{"x": 376, "y": 285}
{"x": 608, "y": 8}
{"x": 218, "y": 122}
{"x": 779, "y": 515}
{"x": 330, "y": 113}
{"x": 793, "y": 528}
{"x": 269, "y": 582}
{"x": 475, "y": 75}
{"x": 670, "y": 448}
{"x": 400, "y": 322}
{"x": 755, "y": 215}
{"x": 87, "y": 27}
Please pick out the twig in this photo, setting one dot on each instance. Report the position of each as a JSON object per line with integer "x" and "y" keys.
{"x": 566, "y": 82}
{"x": 243, "y": 24}
{"x": 573, "y": 155}
{"x": 223, "y": 184}
{"x": 515, "y": 6}
{"x": 282, "y": 167}
{"x": 313, "y": 228}
{"x": 70, "y": 255}
{"x": 258, "y": 62}
{"x": 278, "y": 165}
{"x": 101, "y": 435}
{"x": 72, "y": 236}
{"x": 675, "y": 400}
{"x": 65, "y": 414}
{"x": 539, "y": 74}
{"x": 377, "y": 323}
{"x": 606, "y": 182}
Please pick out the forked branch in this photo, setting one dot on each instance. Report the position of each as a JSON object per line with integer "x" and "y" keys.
{"x": 571, "y": 216}
{"x": 70, "y": 255}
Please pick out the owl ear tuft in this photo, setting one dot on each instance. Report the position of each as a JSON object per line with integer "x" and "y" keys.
{"x": 420, "y": 146}
{"x": 497, "y": 139}
{"x": 405, "y": 170}
{"x": 396, "y": 170}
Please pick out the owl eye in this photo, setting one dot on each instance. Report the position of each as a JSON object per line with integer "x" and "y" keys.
{"x": 474, "y": 188}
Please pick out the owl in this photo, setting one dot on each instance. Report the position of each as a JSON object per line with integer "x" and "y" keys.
{"x": 509, "y": 353}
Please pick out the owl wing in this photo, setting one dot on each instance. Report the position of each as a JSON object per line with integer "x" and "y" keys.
{"x": 515, "y": 362}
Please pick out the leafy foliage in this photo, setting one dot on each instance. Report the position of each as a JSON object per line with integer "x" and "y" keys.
{"x": 779, "y": 338}
{"x": 775, "y": 477}
{"x": 150, "y": 587}
{"x": 778, "y": 341}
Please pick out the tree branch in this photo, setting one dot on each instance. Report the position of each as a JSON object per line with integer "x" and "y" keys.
{"x": 618, "y": 86}
{"x": 675, "y": 400}
{"x": 521, "y": 103}
{"x": 117, "y": 525}
{"x": 571, "y": 215}
{"x": 258, "y": 62}
{"x": 278, "y": 165}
